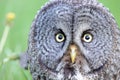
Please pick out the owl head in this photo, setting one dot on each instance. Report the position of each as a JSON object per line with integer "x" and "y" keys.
{"x": 71, "y": 39}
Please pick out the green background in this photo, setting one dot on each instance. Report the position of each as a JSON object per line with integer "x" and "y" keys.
{"x": 25, "y": 11}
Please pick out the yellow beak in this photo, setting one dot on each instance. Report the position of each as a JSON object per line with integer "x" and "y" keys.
{"x": 73, "y": 52}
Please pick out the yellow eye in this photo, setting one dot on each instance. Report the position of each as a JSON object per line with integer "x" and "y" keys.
{"x": 60, "y": 37}
{"x": 87, "y": 37}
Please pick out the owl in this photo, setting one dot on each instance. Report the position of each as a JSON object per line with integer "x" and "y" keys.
{"x": 74, "y": 40}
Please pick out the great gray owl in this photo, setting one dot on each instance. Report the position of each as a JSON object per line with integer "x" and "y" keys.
{"x": 74, "y": 40}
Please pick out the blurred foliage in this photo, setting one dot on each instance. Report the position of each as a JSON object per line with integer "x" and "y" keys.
{"x": 16, "y": 42}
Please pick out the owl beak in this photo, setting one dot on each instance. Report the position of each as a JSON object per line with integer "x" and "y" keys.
{"x": 73, "y": 53}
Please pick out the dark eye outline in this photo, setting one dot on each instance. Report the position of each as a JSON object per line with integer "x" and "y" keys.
{"x": 85, "y": 35}
{"x": 58, "y": 35}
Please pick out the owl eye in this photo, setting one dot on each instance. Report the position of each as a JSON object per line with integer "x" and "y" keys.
{"x": 60, "y": 37}
{"x": 87, "y": 37}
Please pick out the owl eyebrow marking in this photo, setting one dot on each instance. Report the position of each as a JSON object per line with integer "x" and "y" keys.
{"x": 88, "y": 30}
{"x": 59, "y": 31}
{"x": 82, "y": 16}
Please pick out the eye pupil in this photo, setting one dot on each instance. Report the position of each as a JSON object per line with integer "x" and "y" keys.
{"x": 87, "y": 37}
{"x": 60, "y": 37}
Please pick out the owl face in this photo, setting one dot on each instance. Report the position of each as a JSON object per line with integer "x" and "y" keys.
{"x": 71, "y": 42}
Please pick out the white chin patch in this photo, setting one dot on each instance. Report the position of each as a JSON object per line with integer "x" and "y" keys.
{"x": 60, "y": 76}
{"x": 79, "y": 76}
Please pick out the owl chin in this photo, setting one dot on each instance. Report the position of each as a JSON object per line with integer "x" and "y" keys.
{"x": 70, "y": 73}
{"x": 77, "y": 71}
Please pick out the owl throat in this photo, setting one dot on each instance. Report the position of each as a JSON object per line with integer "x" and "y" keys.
{"x": 70, "y": 73}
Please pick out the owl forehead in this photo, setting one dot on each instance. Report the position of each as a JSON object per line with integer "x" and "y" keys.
{"x": 61, "y": 13}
